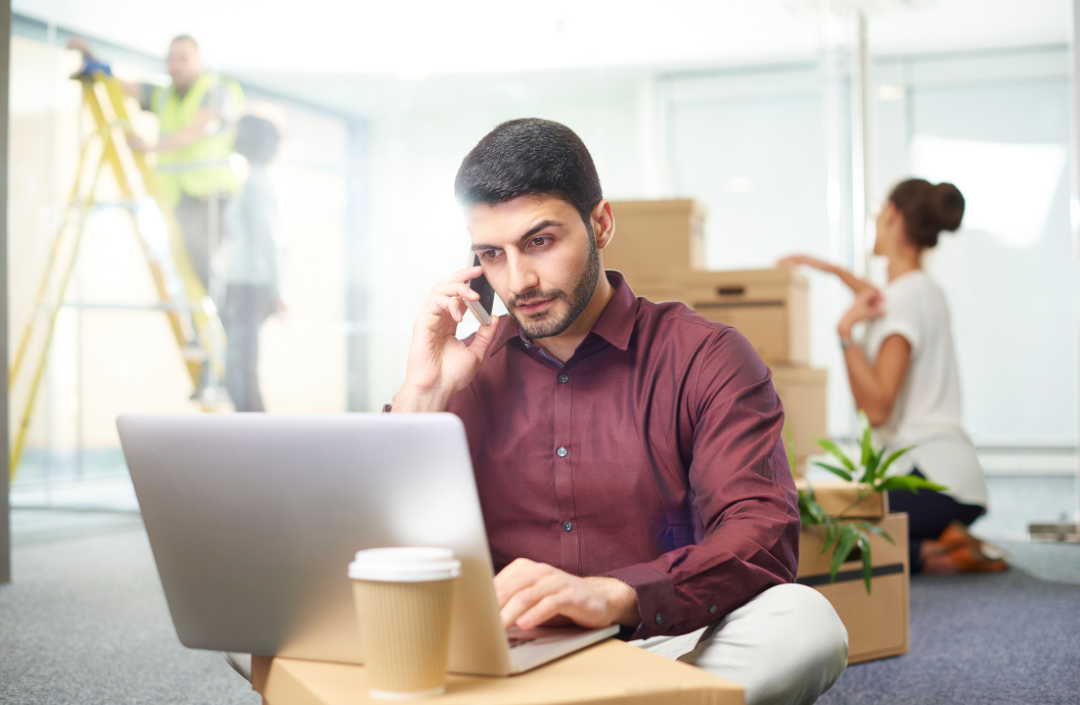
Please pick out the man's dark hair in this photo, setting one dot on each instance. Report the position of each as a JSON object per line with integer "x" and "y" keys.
{"x": 530, "y": 157}
{"x": 185, "y": 38}
{"x": 257, "y": 139}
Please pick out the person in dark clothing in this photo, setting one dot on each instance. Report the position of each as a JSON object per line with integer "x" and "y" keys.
{"x": 250, "y": 264}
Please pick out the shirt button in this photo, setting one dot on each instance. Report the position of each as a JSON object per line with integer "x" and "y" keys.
{"x": 567, "y": 526}
{"x": 712, "y": 609}
{"x": 659, "y": 617}
{"x": 528, "y": 346}
{"x": 564, "y": 378}
{"x": 562, "y": 452}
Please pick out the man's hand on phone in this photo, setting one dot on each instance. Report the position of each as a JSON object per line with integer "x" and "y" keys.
{"x": 532, "y": 594}
{"x": 440, "y": 365}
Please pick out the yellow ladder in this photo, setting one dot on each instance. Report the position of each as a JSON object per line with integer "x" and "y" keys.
{"x": 192, "y": 315}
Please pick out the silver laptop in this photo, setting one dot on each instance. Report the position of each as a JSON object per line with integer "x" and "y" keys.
{"x": 254, "y": 518}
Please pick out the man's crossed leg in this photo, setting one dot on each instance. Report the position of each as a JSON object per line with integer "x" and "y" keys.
{"x": 787, "y": 645}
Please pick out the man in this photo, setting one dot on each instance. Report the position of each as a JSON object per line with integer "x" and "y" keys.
{"x": 628, "y": 454}
{"x": 196, "y": 113}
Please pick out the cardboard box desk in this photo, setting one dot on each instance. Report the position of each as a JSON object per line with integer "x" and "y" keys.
{"x": 768, "y": 306}
{"x": 610, "y": 673}
{"x": 877, "y": 623}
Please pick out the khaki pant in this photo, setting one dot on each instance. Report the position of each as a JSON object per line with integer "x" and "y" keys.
{"x": 787, "y": 645}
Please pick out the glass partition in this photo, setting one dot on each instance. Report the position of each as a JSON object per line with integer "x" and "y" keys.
{"x": 261, "y": 318}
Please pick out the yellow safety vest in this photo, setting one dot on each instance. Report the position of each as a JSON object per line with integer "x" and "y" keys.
{"x": 203, "y": 167}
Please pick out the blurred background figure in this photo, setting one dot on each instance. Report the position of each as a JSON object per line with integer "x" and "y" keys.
{"x": 197, "y": 114}
{"x": 904, "y": 377}
{"x": 249, "y": 264}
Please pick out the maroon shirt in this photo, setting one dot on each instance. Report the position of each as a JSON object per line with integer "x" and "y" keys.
{"x": 653, "y": 455}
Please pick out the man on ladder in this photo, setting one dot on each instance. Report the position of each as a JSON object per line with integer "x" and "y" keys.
{"x": 197, "y": 114}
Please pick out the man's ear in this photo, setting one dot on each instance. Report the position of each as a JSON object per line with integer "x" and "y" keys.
{"x": 603, "y": 223}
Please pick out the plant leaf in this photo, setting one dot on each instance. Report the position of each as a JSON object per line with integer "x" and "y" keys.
{"x": 867, "y": 564}
{"x": 877, "y": 530}
{"x": 834, "y": 470}
{"x": 834, "y": 450}
{"x": 867, "y": 441}
{"x": 810, "y": 512}
{"x": 831, "y": 534}
{"x": 872, "y": 465}
{"x": 913, "y": 483}
{"x": 889, "y": 461}
{"x": 849, "y": 536}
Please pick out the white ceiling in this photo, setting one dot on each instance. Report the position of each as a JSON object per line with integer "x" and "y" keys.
{"x": 417, "y": 37}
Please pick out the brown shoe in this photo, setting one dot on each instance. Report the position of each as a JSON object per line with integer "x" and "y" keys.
{"x": 956, "y": 535}
{"x": 968, "y": 559}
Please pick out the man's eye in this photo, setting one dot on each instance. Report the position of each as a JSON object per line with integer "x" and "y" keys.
{"x": 489, "y": 254}
{"x": 539, "y": 241}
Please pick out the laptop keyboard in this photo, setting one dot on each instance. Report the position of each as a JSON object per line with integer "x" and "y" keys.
{"x": 519, "y": 641}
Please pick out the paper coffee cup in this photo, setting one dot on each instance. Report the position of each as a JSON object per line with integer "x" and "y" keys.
{"x": 403, "y": 600}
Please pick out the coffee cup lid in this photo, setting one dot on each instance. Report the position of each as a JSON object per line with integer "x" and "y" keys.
{"x": 404, "y": 565}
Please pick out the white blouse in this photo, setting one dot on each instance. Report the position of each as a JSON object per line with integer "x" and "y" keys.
{"x": 926, "y": 412}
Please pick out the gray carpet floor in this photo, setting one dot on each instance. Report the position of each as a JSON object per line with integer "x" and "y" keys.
{"x": 86, "y": 622}
{"x": 1008, "y": 638}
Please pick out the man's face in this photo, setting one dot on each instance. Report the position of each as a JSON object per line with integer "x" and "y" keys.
{"x": 540, "y": 259}
{"x": 183, "y": 63}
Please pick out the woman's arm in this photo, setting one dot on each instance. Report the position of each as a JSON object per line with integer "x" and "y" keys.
{"x": 853, "y": 282}
{"x": 876, "y": 386}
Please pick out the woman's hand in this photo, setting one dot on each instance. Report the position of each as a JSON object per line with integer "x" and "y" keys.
{"x": 868, "y": 304}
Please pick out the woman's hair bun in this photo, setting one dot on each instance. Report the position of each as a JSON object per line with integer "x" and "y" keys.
{"x": 928, "y": 209}
{"x": 948, "y": 205}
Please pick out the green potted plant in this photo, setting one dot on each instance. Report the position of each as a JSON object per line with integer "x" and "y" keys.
{"x": 871, "y": 471}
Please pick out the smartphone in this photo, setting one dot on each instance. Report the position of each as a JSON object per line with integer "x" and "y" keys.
{"x": 482, "y": 308}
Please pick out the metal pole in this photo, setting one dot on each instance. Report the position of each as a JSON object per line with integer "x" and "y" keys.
{"x": 1074, "y": 205}
{"x": 5, "y": 71}
{"x": 862, "y": 166}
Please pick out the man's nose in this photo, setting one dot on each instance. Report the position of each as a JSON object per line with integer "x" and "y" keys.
{"x": 522, "y": 276}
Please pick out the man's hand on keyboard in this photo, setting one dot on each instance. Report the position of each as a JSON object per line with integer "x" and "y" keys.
{"x": 532, "y": 594}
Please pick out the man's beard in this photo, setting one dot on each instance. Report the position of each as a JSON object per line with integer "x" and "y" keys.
{"x": 577, "y": 300}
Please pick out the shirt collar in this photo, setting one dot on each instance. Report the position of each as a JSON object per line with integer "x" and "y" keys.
{"x": 615, "y": 325}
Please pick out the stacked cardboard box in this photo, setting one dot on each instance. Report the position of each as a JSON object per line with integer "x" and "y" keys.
{"x": 877, "y": 622}
{"x": 659, "y": 246}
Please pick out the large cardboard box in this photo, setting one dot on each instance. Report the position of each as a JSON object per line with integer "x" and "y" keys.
{"x": 877, "y": 623}
{"x": 656, "y": 238}
{"x": 611, "y": 673}
{"x": 768, "y": 306}
{"x": 849, "y": 500}
{"x": 802, "y": 391}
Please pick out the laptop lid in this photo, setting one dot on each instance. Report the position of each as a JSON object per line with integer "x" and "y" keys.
{"x": 254, "y": 518}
